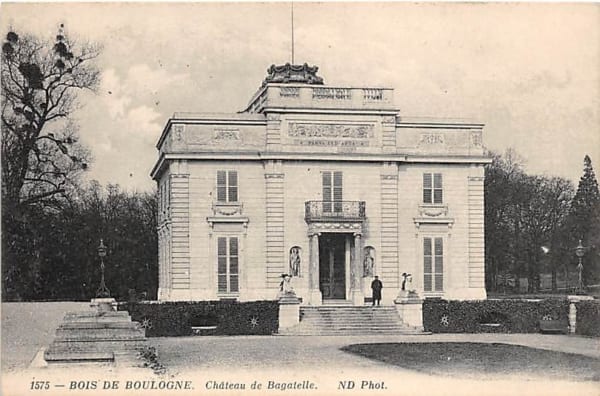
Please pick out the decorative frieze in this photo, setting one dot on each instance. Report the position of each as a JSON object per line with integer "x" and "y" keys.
{"x": 433, "y": 210}
{"x": 350, "y": 227}
{"x": 178, "y": 131}
{"x": 226, "y": 134}
{"x": 431, "y": 139}
{"x": 227, "y": 209}
{"x": 274, "y": 175}
{"x": 321, "y": 130}
{"x": 476, "y": 139}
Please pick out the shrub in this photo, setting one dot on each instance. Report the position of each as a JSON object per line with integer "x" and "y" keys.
{"x": 165, "y": 319}
{"x": 506, "y": 316}
{"x": 588, "y": 318}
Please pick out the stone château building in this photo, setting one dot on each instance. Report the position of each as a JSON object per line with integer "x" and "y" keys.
{"x": 329, "y": 184}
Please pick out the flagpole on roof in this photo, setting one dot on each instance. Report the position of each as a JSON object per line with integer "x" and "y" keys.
{"x": 292, "y": 32}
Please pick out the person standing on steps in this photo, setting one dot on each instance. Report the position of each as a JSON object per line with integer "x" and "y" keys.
{"x": 376, "y": 286}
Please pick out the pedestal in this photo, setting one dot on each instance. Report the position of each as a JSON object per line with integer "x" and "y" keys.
{"x": 573, "y": 311}
{"x": 410, "y": 309}
{"x": 104, "y": 304}
{"x": 289, "y": 311}
{"x": 98, "y": 336}
{"x": 358, "y": 298}
{"x": 315, "y": 297}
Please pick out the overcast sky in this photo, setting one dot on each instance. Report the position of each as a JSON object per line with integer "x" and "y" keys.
{"x": 531, "y": 73}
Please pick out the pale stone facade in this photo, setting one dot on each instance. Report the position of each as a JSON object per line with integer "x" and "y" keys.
{"x": 330, "y": 184}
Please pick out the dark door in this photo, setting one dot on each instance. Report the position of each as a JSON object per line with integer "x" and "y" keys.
{"x": 332, "y": 266}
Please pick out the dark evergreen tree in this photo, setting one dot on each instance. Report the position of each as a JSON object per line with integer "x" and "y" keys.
{"x": 584, "y": 222}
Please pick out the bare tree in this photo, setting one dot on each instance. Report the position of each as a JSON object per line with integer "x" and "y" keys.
{"x": 41, "y": 155}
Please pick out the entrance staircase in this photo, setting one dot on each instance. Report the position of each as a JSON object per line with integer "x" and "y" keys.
{"x": 341, "y": 319}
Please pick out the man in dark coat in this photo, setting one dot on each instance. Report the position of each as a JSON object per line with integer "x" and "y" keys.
{"x": 376, "y": 286}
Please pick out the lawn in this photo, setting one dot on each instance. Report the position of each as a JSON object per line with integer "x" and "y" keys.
{"x": 491, "y": 360}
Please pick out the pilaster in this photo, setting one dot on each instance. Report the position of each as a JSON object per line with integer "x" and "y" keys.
{"x": 389, "y": 226}
{"x": 274, "y": 241}
{"x": 273, "y": 131}
{"x": 179, "y": 251}
{"x": 476, "y": 233}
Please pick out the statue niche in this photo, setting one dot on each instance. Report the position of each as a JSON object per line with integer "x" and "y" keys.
{"x": 295, "y": 261}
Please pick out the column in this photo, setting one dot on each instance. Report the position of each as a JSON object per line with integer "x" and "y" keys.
{"x": 314, "y": 297}
{"x": 356, "y": 273}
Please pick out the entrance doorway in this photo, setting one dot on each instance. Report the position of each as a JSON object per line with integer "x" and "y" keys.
{"x": 332, "y": 266}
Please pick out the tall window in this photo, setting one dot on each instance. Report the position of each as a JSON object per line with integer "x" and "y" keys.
{"x": 432, "y": 188}
{"x": 227, "y": 186}
{"x": 228, "y": 264}
{"x": 433, "y": 260}
{"x": 332, "y": 191}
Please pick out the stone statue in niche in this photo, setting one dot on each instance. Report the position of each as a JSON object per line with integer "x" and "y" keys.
{"x": 369, "y": 261}
{"x": 295, "y": 261}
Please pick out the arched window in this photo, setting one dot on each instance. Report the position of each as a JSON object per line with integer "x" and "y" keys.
{"x": 368, "y": 261}
{"x": 295, "y": 261}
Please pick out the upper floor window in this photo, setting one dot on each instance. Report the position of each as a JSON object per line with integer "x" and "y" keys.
{"x": 433, "y": 262}
{"x": 432, "y": 188}
{"x": 227, "y": 186}
{"x": 332, "y": 191}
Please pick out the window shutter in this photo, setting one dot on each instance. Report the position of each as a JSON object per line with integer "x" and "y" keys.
{"x": 439, "y": 264}
{"x": 222, "y": 264}
{"x": 221, "y": 186}
{"x": 427, "y": 188}
{"x": 427, "y": 262}
{"x": 327, "y": 186}
{"x": 327, "y": 192}
{"x": 437, "y": 185}
{"x": 233, "y": 265}
{"x": 233, "y": 186}
{"x": 337, "y": 191}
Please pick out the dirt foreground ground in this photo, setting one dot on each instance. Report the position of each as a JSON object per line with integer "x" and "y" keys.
{"x": 262, "y": 365}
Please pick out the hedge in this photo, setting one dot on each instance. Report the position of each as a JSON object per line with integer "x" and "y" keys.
{"x": 498, "y": 316}
{"x": 588, "y": 318}
{"x": 167, "y": 319}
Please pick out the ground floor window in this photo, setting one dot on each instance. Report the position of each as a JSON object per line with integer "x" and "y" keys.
{"x": 228, "y": 264}
{"x": 433, "y": 260}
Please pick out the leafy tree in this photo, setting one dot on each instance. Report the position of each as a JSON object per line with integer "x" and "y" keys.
{"x": 524, "y": 218}
{"x": 62, "y": 246}
{"x": 41, "y": 157}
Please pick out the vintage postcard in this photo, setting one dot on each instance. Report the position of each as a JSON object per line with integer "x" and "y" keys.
{"x": 300, "y": 198}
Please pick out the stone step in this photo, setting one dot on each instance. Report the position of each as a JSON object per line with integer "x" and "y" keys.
{"x": 114, "y": 316}
{"x": 99, "y": 325}
{"x": 78, "y": 357}
{"x": 349, "y": 320}
{"x": 95, "y": 337}
{"x": 102, "y": 346}
{"x": 352, "y": 317}
{"x": 350, "y": 333}
{"x": 102, "y": 332}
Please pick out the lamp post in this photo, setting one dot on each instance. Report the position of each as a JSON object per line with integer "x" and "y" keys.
{"x": 579, "y": 252}
{"x": 102, "y": 291}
